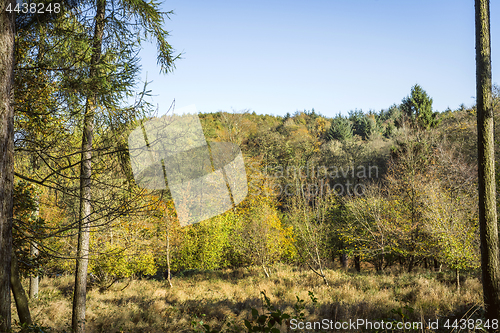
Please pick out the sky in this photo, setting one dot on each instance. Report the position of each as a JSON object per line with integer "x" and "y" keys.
{"x": 275, "y": 56}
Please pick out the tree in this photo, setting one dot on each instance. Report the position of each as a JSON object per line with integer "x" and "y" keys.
{"x": 453, "y": 226}
{"x": 262, "y": 237}
{"x": 486, "y": 164}
{"x": 82, "y": 261}
{"x": 418, "y": 109}
{"x": 308, "y": 214}
{"x": 340, "y": 129}
{"x": 365, "y": 228}
{"x": 6, "y": 157}
{"x": 113, "y": 43}
{"x": 408, "y": 183}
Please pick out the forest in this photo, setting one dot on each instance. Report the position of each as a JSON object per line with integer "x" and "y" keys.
{"x": 369, "y": 215}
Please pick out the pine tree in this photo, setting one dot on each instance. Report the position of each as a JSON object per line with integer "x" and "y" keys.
{"x": 486, "y": 164}
{"x": 418, "y": 109}
{"x": 340, "y": 129}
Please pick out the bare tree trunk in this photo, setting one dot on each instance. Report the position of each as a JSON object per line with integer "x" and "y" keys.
{"x": 7, "y": 30}
{"x": 344, "y": 259}
{"x": 34, "y": 253}
{"x": 322, "y": 274}
{"x": 79, "y": 297}
{"x": 457, "y": 273}
{"x": 23, "y": 310}
{"x": 357, "y": 263}
{"x": 265, "y": 270}
{"x": 411, "y": 263}
{"x": 34, "y": 277}
{"x": 169, "y": 277}
{"x": 82, "y": 261}
{"x": 486, "y": 164}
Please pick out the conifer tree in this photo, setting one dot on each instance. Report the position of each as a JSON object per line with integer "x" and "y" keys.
{"x": 340, "y": 129}
{"x": 486, "y": 164}
{"x": 418, "y": 109}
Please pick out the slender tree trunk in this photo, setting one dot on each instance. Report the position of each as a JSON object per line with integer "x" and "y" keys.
{"x": 344, "y": 259}
{"x": 34, "y": 277}
{"x": 34, "y": 254}
{"x": 411, "y": 263}
{"x": 7, "y": 30}
{"x": 457, "y": 273}
{"x": 320, "y": 266}
{"x": 357, "y": 263}
{"x": 169, "y": 277}
{"x": 23, "y": 310}
{"x": 486, "y": 164}
{"x": 79, "y": 299}
{"x": 265, "y": 270}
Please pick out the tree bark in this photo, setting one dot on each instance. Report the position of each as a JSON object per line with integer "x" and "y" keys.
{"x": 33, "y": 291}
{"x": 23, "y": 310}
{"x": 34, "y": 277}
{"x": 357, "y": 263}
{"x": 82, "y": 261}
{"x": 411, "y": 263}
{"x": 344, "y": 259}
{"x": 169, "y": 276}
{"x": 7, "y": 30}
{"x": 486, "y": 164}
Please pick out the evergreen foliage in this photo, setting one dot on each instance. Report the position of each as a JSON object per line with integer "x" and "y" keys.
{"x": 417, "y": 108}
{"x": 340, "y": 129}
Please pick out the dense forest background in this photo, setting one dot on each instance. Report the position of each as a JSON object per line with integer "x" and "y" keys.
{"x": 373, "y": 190}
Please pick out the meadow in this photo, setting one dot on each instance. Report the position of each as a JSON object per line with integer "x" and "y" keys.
{"x": 224, "y": 298}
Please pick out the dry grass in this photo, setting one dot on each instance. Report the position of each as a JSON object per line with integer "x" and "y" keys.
{"x": 218, "y": 296}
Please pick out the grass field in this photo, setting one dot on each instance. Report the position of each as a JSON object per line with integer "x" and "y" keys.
{"x": 227, "y": 296}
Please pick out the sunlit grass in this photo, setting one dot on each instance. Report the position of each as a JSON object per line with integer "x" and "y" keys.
{"x": 228, "y": 295}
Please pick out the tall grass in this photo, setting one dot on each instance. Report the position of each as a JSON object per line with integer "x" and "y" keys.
{"x": 227, "y": 296}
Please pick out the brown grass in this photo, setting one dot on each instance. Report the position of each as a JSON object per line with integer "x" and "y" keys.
{"x": 228, "y": 295}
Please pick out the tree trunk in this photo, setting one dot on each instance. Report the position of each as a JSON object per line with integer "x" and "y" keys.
{"x": 411, "y": 263}
{"x": 265, "y": 270}
{"x": 79, "y": 298}
{"x": 344, "y": 259}
{"x": 457, "y": 273}
{"x": 7, "y": 30}
{"x": 357, "y": 263}
{"x": 23, "y": 310}
{"x": 34, "y": 277}
{"x": 436, "y": 265}
{"x": 34, "y": 254}
{"x": 169, "y": 277}
{"x": 486, "y": 164}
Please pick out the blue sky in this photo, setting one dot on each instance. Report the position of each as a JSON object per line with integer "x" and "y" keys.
{"x": 274, "y": 56}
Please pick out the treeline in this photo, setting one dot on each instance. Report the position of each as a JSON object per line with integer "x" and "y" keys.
{"x": 395, "y": 187}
